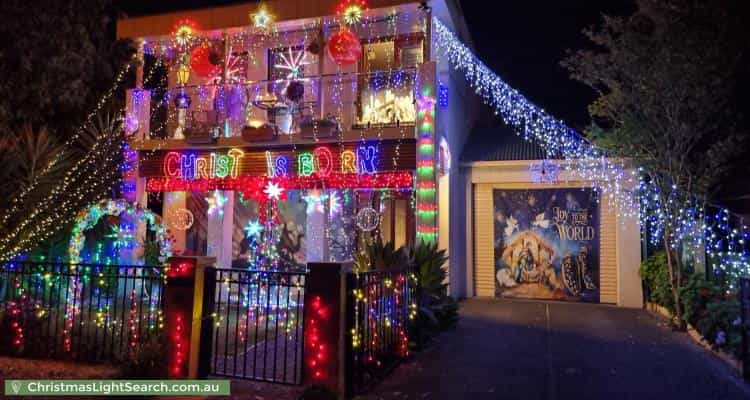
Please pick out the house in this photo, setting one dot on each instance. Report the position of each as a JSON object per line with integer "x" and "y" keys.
{"x": 286, "y": 132}
{"x": 292, "y": 131}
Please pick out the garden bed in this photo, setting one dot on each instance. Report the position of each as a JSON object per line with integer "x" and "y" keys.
{"x": 24, "y": 368}
{"x": 693, "y": 333}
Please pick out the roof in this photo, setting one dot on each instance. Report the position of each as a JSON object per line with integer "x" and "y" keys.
{"x": 500, "y": 143}
{"x": 233, "y": 15}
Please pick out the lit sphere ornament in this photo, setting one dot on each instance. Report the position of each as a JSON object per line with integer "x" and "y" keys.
{"x": 344, "y": 47}
{"x": 182, "y": 100}
{"x": 181, "y": 219}
{"x": 368, "y": 219}
{"x": 203, "y": 62}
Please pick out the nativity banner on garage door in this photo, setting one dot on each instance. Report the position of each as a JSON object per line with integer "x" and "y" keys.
{"x": 547, "y": 244}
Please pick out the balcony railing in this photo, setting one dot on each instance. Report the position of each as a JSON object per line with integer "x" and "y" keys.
{"x": 311, "y": 107}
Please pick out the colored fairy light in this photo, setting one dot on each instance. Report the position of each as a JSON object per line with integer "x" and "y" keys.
{"x": 216, "y": 202}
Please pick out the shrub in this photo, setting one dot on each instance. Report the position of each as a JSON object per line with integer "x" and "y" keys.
{"x": 720, "y": 324}
{"x": 655, "y": 274}
{"x": 147, "y": 360}
{"x": 695, "y": 296}
{"x": 436, "y": 310}
{"x": 379, "y": 256}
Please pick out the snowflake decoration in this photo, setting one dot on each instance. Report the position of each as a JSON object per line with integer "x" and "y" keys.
{"x": 253, "y": 228}
{"x": 334, "y": 203}
{"x": 292, "y": 63}
{"x": 544, "y": 172}
{"x": 315, "y": 201}
{"x": 273, "y": 191}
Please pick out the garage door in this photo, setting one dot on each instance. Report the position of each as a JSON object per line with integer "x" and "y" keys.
{"x": 556, "y": 243}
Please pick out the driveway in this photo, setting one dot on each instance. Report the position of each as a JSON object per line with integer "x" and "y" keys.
{"x": 505, "y": 349}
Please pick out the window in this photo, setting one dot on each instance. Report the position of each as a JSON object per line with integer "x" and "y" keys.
{"x": 387, "y": 81}
{"x": 290, "y": 63}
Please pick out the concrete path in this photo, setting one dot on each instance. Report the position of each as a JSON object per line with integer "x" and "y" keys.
{"x": 504, "y": 349}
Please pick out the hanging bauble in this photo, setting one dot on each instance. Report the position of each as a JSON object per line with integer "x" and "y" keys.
{"x": 368, "y": 219}
{"x": 181, "y": 219}
{"x": 201, "y": 62}
{"x": 317, "y": 44}
{"x": 182, "y": 101}
{"x": 295, "y": 91}
{"x": 344, "y": 47}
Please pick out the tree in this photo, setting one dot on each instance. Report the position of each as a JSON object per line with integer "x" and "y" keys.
{"x": 666, "y": 78}
{"x": 56, "y": 60}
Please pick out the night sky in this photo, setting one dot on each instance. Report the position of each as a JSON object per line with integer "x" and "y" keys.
{"x": 522, "y": 41}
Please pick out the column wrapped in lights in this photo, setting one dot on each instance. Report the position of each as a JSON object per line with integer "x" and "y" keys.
{"x": 426, "y": 193}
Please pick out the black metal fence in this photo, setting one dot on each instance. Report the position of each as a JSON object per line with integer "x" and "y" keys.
{"x": 745, "y": 320}
{"x": 91, "y": 312}
{"x": 258, "y": 325}
{"x": 378, "y": 316}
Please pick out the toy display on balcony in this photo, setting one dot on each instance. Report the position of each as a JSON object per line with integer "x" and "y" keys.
{"x": 203, "y": 128}
{"x": 319, "y": 128}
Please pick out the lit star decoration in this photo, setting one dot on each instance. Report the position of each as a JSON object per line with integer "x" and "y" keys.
{"x": 216, "y": 203}
{"x": 351, "y": 11}
{"x": 253, "y": 228}
{"x": 314, "y": 200}
{"x": 184, "y": 32}
{"x": 273, "y": 191}
{"x": 262, "y": 18}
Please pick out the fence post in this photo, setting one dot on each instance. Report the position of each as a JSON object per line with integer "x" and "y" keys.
{"x": 745, "y": 324}
{"x": 184, "y": 308}
{"x": 324, "y": 352}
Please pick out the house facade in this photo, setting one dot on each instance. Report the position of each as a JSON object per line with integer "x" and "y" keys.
{"x": 287, "y": 132}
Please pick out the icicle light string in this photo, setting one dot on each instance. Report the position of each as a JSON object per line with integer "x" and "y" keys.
{"x": 724, "y": 238}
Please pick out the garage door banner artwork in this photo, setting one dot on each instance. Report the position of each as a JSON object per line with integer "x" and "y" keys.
{"x": 547, "y": 244}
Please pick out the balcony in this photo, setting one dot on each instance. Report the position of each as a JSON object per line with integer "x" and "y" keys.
{"x": 325, "y": 108}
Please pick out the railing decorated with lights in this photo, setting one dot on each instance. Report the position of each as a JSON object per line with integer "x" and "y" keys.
{"x": 379, "y": 311}
{"x": 89, "y": 312}
{"x": 311, "y": 107}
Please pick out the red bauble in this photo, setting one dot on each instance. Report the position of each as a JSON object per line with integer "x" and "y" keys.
{"x": 200, "y": 62}
{"x": 344, "y": 47}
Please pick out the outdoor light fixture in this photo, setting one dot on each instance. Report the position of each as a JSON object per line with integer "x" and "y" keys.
{"x": 183, "y": 74}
